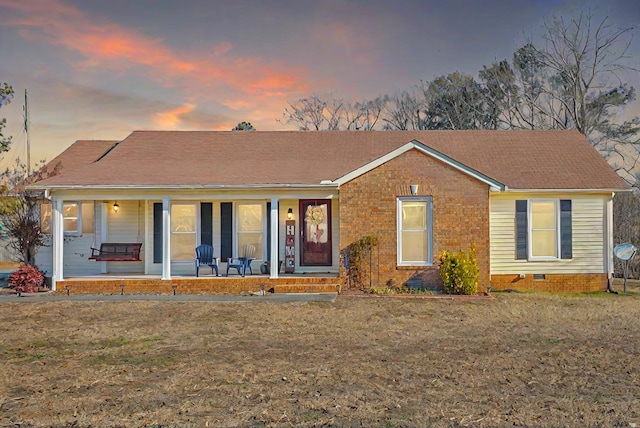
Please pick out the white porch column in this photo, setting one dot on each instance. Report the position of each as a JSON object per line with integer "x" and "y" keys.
{"x": 57, "y": 229}
{"x": 275, "y": 255}
{"x": 104, "y": 231}
{"x": 166, "y": 238}
{"x": 148, "y": 255}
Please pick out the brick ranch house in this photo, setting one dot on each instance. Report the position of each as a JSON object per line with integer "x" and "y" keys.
{"x": 537, "y": 206}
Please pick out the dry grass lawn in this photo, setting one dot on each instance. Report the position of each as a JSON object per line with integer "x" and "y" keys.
{"x": 536, "y": 360}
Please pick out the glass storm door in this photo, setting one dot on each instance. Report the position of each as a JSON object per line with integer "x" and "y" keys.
{"x": 315, "y": 215}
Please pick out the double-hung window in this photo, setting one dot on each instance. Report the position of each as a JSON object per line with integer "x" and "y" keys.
{"x": 415, "y": 231}
{"x": 72, "y": 218}
{"x": 183, "y": 231}
{"x": 250, "y": 225}
{"x": 543, "y": 229}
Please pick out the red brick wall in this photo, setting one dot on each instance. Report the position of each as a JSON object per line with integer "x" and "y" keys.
{"x": 202, "y": 285}
{"x": 567, "y": 283}
{"x": 460, "y": 214}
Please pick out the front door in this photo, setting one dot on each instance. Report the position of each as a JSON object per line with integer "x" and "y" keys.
{"x": 315, "y": 232}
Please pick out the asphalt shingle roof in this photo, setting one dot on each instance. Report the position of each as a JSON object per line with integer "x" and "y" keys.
{"x": 518, "y": 159}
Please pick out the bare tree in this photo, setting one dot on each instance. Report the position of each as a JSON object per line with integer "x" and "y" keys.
{"x": 330, "y": 113}
{"x": 368, "y": 113}
{"x": 626, "y": 228}
{"x": 20, "y": 210}
{"x": 403, "y": 109}
{"x": 570, "y": 81}
{"x": 585, "y": 55}
{"x": 314, "y": 113}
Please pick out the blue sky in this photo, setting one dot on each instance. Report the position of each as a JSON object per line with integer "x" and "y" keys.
{"x": 99, "y": 70}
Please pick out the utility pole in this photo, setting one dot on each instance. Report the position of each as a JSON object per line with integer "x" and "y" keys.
{"x": 26, "y": 131}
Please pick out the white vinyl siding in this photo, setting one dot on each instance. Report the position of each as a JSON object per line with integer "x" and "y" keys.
{"x": 588, "y": 225}
{"x": 127, "y": 225}
{"x": 77, "y": 250}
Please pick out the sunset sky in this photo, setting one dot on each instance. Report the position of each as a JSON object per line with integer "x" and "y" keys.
{"x": 99, "y": 69}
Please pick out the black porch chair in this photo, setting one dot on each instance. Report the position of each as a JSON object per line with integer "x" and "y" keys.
{"x": 204, "y": 257}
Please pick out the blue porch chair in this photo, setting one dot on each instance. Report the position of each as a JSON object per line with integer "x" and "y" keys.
{"x": 243, "y": 262}
{"x": 204, "y": 257}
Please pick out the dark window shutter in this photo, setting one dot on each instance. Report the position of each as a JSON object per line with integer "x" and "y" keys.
{"x": 157, "y": 232}
{"x": 268, "y": 230}
{"x": 206, "y": 223}
{"x": 226, "y": 230}
{"x": 566, "y": 233}
{"x": 522, "y": 230}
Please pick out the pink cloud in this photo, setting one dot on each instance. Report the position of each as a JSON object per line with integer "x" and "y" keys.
{"x": 246, "y": 81}
{"x": 172, "y": 118}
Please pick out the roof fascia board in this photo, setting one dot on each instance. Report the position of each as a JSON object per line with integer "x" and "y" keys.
{"x": 194, "y": 194}
{"x": 494, "y": 184}
{"x": 512, "y": 190}
{"x": 324, "y": 185}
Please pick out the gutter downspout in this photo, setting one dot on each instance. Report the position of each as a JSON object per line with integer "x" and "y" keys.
{"x": 609, "y": 243}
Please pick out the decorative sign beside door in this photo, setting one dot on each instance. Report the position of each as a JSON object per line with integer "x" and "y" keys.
{"x": 290, "y": 246}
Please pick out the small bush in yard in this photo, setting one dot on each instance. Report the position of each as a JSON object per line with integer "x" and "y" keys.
{"x": 26, "y": 279}
{"x": 459, "y": 272}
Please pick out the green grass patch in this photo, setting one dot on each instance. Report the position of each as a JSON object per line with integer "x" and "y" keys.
{"x": 119, "y": 342}
{"x": 403, "y": 290}
{"x": 23, "y": 356}
{"x": 142, "y": 360}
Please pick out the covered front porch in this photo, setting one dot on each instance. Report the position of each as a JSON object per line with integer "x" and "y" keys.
{"x": 300, "y": 227}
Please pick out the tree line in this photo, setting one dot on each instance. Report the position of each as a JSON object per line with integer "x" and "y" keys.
{"x": 568, "y": 80}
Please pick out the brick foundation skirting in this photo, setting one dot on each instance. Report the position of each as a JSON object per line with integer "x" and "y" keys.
{"x": 200, "y": 285}
{"x": 563, "y": 283}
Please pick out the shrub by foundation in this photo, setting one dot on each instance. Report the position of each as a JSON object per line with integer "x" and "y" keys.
{"x": 459, "y": 271}
{"x": 26, "y": 279}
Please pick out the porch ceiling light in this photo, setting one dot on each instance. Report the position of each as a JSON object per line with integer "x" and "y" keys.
{"x": 290, "y": 213}
{"x": 116, "y": 207}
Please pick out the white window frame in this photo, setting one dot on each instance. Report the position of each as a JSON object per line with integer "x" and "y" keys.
{"x": 78, "y": 230}
{"x": 556, "y": 210}
{"x": 429, "y": 230}
{"x": 236, "y": 214}
{"x": 196, "y": 232}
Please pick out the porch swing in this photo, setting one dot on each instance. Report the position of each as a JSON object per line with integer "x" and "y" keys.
{"x": 115, "y": 251}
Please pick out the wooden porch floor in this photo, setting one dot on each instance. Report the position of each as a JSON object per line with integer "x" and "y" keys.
{"x": 233, "y": 284}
